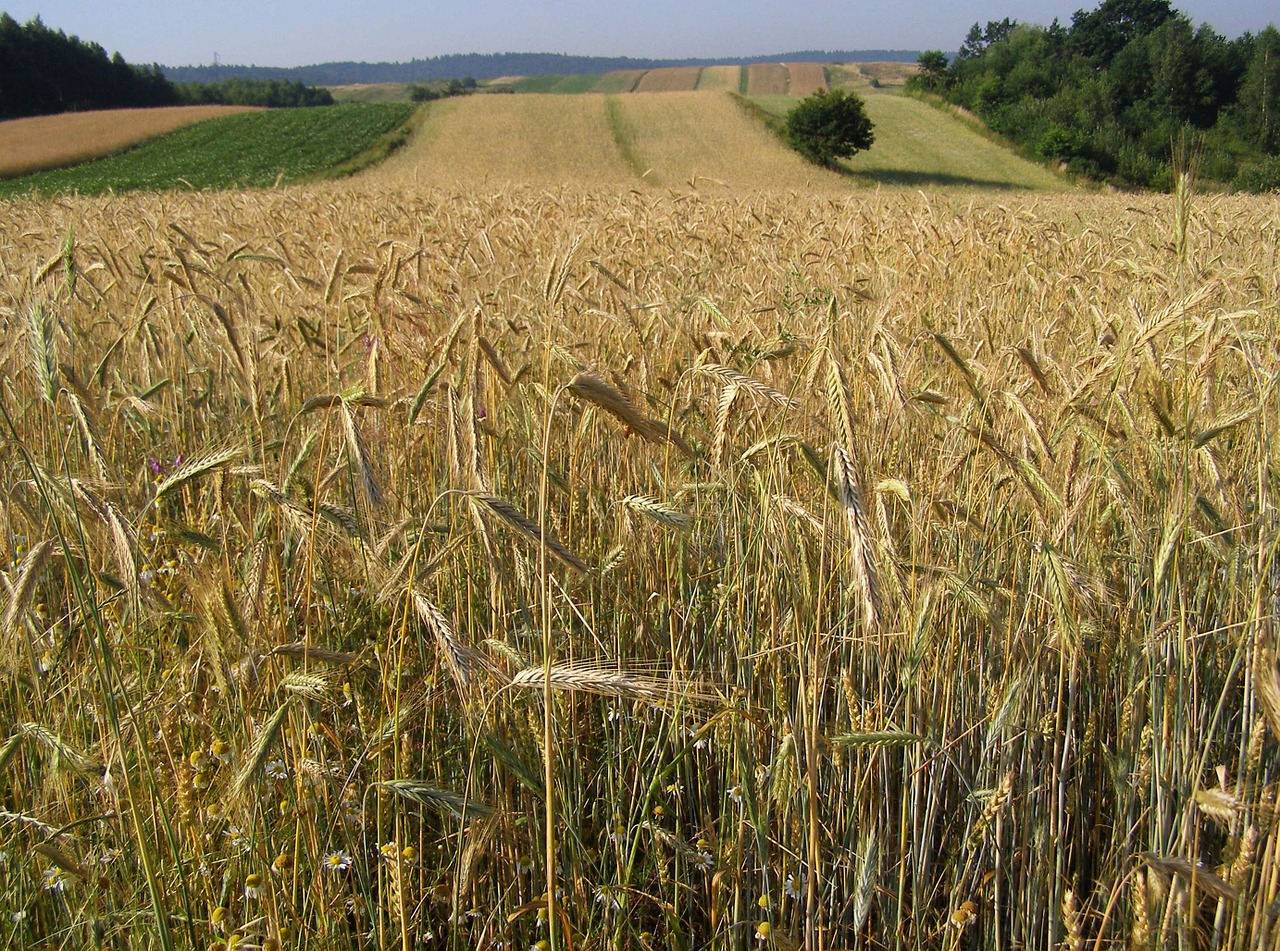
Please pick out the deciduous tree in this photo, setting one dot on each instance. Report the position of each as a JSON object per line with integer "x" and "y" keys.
{"x": 829, "y": 125}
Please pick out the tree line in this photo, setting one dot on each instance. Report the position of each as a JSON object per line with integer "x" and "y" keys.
{"x": 1121, "y": 91}
{"x": 239, "y": 91}
{"x": 44, "y": 71}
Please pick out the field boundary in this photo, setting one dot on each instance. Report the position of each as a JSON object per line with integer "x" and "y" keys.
{"x": 624, "y": 136}
{"x": 381, "y": 149}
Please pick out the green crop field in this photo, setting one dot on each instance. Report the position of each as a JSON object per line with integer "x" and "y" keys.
{"x": 250, "y": 150}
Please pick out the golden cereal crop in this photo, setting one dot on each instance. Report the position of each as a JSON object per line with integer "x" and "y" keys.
{"x": 512, "y": 560}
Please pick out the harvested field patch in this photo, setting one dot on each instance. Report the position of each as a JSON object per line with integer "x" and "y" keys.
{"x": 806, "y": 78}
{"x": 767, "y": 79}
{"x": 670, "y": 79}
{"x": 41, "y": 142}
{"x": 720, "y": 79}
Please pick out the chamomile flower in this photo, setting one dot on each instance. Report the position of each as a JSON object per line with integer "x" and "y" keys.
{"x": 252, "y": 885}
{"x": 337, "y": 861}
{"x": 220, "y": 750}
{"x": 276, "y": 769}
{"x": 608, "y": 897}
{"x": 53, "y": 880}
{"x": 736, "y": 793}
{"x": 763, "y": 930}
{"x": 794, "y": 886}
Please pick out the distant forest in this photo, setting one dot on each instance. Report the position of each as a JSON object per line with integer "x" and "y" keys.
{"x": 1123, "y": 89}
{"x": 484, "y": 66}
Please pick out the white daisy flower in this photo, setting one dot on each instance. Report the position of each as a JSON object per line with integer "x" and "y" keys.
{"x": 337, "y": 861}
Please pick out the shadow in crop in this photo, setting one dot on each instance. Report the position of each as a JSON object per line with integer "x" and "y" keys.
{"x": 927, "y": 179}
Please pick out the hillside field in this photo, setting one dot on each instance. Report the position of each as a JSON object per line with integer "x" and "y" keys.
{"x": 237, "y": 149}
{"x": 595, "y": 527}
{"x": 664, "y": 139}
{"x": 42, "y": 142}
{"x": 918, "y": 144}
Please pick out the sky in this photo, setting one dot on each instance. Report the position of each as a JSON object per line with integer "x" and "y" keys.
{"x": 296, "y": 33}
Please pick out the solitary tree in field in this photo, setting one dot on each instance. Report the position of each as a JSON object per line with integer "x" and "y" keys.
{"x": 829, "y": 125}
{"x": 933, "y": 70}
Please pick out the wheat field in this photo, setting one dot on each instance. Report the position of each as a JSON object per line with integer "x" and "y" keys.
{"x": 475, "y": 563}
{"x": 678, "y": 138}
{"x": 498, "y": 141}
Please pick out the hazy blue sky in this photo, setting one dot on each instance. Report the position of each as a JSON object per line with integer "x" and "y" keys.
{"x": 296, "y": 33}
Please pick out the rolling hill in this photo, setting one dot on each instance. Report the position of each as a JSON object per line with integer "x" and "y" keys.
{"x": 699, "y": 139}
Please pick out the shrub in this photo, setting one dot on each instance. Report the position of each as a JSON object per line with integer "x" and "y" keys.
{"x": 1259, "y": 178}
{"x": 829, "y": 125}
{"x": 1060, "y": 144}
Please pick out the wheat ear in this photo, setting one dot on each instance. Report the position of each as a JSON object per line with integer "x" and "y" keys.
{"x": 591, "y": 389}
{"x": 457, "y": 659}
{"x": 44, "y": 350}
{"x": 261, "y": 747}
{"x": 530, "y": 529}
{"x": 194, "y": 469}
{"x": 606, "y": 683}
{"x": 433, "y": 797}
{"x": 746, "y": 384}
{"x": 25, "y": 587}
{"x": 360, "y": 457}
{"x": 860, "y": 542}
{"x": 663, "y": 514}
